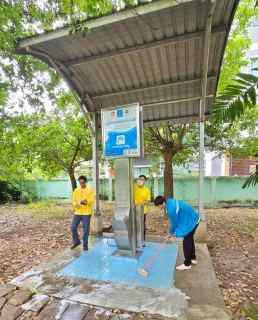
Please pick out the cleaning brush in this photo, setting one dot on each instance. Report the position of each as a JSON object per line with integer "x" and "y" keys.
{"x": 143, "y": 271}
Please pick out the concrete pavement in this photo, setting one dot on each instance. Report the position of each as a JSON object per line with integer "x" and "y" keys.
{"x": 194, "y": 295}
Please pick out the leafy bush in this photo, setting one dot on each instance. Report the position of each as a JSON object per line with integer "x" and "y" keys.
{"x": 10, "y": 191}
{"x": 29, "y": 191}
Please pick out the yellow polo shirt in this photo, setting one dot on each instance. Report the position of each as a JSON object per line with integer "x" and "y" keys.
{"x": 141, "y": 194}
{"x": 81, "y": 194}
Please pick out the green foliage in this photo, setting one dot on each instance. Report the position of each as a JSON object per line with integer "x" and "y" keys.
{"x": 29, "y": 191}
{"x": 238, "y": 44}
{"x": 31, "y": 286}
{"x": 181, "y": 172}
{"x": 30, "y": 80}
{"x": 54, "y": 142}
{"x": 252, "y": 180}
{"x": 253, "y": 313}
{"x": 10, "y": 191}
{"x": 236, "y": 98}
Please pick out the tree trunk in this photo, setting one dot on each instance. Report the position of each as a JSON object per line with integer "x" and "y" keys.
{"x": 168, "y": 177}
{"x": 71, "y": 168}
{"x": 72, "y": 178}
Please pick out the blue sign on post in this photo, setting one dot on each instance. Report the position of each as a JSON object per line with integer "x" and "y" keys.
{"x": 121, "y": 131}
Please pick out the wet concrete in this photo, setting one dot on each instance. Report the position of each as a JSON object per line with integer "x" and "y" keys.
{"x": 199, "y": 284}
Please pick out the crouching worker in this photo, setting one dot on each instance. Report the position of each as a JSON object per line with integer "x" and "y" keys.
{"x": 185, "y": 221}
{"x": 83, "y": 198}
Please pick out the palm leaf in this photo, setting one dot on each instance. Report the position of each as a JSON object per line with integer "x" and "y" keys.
{"x": 255, "y": 309}
{"x": 253, "y": 95}
{"x": 248, "y": 77}
{"x": 252, "y": 180}
{"x": 241, "y": 81}
{"x": 252, "y": 316}
{"x": 235, "y": 99}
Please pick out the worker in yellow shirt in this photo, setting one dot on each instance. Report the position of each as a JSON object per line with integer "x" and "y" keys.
{"x": 142, "y": 196}
{"x": 83, "y": 198}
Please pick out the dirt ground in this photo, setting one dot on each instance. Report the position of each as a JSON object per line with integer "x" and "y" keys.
{"x": 30, "y": 234}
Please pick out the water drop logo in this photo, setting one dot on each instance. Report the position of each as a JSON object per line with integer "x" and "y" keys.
{"x": 120, "y": 139}
{"x": 119, "y": 113}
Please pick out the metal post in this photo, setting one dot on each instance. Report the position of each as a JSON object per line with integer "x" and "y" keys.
{"x": 132, "y": 205}
{"x": 206, "y": 46}
{"x": 95, "y": 159}
{"x": 110, "y": 192}
{"x": 201, "y": 166}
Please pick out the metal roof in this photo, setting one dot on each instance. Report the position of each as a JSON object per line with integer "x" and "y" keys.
{"x": 153, "y": 54}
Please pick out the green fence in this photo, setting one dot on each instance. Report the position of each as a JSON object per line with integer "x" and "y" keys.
{"x": 221, "y": 191}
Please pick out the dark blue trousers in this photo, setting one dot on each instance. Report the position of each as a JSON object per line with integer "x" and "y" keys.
{"x": 144, "y": 221}
{"x": 86, "y": 226}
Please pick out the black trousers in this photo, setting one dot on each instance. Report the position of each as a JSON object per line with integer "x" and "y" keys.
{"x": 189, "y": 247}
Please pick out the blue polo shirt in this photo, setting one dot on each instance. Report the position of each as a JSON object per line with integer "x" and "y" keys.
{"x": 184, "y": 221}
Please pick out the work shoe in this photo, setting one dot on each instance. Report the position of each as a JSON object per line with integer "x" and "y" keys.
{"x": 75, "y": 245}
{"x": 85, "y": 248}
{"x": 194, "y": 261}
{"x": 183, "y": 267}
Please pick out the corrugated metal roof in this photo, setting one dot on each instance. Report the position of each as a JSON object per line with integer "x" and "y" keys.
{"x": 152, "y": 54}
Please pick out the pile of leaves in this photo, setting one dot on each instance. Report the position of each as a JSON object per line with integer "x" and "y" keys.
{"x": 232, "y": 240}
{"x": 31, "y": 234}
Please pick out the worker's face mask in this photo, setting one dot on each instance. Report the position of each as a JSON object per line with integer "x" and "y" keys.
{"x": 140, "y": 183}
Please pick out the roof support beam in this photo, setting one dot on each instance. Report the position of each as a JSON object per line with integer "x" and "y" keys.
{"x": 206, "y": 53}
{"x": 159, "y": 103}
{"x": 159, "y": 121}
{"x": 145, "y": 46}
{"x": 154, "y": 86}
{"x": 173, "y": 101}
{"x": 102, "y": 21}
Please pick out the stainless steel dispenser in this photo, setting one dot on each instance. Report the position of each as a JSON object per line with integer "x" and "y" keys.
{"x": 128, "y": 229}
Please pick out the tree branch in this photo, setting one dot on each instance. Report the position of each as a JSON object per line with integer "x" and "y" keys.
{"x": 79, "y": 140}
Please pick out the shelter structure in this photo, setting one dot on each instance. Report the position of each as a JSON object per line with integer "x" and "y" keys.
{"x": 164, "y": 54}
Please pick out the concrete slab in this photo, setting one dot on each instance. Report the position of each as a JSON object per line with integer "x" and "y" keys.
{"x": 37, "y": 303}
{"x": 103, "y": 314}
{"x": 46, "y": 278}
{"x": 100, "y": 264}
{"x": 200, "y": 234}
{"x": 200, "y": 283}
{"x": 206, "y": 304}
{"x": 121, "y": 317}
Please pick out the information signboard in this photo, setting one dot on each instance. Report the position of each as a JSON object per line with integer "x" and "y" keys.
{"x": 121, "y": 131}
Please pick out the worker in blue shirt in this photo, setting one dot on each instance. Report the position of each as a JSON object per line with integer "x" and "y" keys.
{"x": 185, "y": 221}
